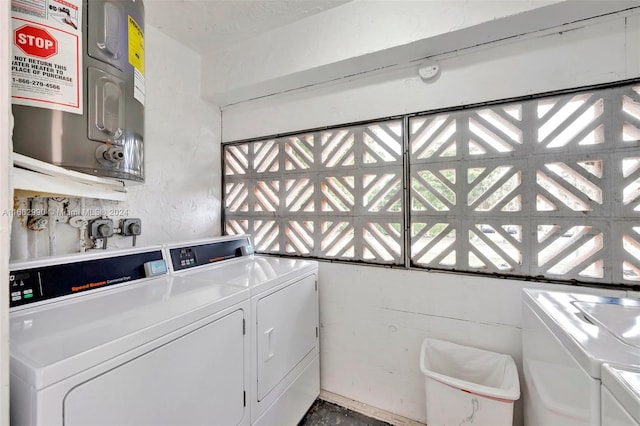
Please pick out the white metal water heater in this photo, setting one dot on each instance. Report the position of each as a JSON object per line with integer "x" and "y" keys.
{"x": 78, "y": 86}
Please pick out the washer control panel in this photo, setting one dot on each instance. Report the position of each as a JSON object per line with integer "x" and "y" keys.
{"x": 22, "y": 286}
{"x": 186, "y": 257}
{"x": 203, "y": 254}
{"x": 29, "y": 285}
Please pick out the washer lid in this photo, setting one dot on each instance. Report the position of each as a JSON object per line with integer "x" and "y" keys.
{"x": 52, "y": 342}
{"x": 623, "y": 321}
{"x": 624, "y": 385}
{"x": 591, "y": 341}
{"x": 257, "y": 273}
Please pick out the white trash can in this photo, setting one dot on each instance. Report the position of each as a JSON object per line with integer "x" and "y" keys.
{"x": 466, "y": 385}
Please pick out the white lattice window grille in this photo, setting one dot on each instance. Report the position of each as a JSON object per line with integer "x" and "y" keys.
{"x": 542, "y": 188}
{"x": 334, "y": 194}
{"x": 545, "y": 188}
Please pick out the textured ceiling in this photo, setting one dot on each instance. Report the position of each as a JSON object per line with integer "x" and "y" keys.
{"x": 211, "y": 25}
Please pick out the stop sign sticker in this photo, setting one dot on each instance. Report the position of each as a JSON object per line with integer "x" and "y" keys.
{"x": 35, "y": 41}
{"x": 46, "y": 54}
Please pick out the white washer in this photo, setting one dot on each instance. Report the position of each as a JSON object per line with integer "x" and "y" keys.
{"x": 285, "y": 369}
{"x": 620, "y": 395}
{"x": 566, "y": 339}
{"x": 147, "y": 351}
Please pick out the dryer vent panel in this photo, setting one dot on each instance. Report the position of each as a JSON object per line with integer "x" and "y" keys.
{"x": 78, "y": 84}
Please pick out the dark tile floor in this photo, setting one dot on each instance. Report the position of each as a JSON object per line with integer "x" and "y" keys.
{"x": 323, "y": 413}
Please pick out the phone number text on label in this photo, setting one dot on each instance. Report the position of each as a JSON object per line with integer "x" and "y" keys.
{"x": 36, "y": 83}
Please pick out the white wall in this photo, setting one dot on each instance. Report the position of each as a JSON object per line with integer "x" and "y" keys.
{"x": 591, "y": 54}
{"x": 364, "y": 35}
{"x": 359, "y": 35}
{"x": 180, "y": 198}
{"x": 374, "y": 319}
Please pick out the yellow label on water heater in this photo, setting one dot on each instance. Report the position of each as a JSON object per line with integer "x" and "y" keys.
{"x": 136, "y": 45}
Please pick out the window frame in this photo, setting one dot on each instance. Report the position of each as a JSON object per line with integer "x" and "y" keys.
{"x": 531, "y": 271}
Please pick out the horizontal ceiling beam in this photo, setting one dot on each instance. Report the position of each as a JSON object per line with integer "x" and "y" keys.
{"x": 364, "y": 36}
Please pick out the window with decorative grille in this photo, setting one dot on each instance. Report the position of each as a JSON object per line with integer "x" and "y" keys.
{"x": 546, "y": 187}
{"x": 329, "y": 194}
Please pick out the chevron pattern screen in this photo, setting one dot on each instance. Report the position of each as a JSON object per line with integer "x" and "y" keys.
{"x": 548, "y": 187}
{"x": 330, "y": 194}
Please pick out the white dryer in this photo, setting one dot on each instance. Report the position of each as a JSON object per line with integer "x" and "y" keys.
{"x": 566, "y": 339}
{"x": 285, "y": 369}
{"x": 620, "y": 395}
{"x": 95, "y": 342}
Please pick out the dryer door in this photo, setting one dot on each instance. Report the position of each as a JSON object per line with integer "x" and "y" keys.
{"x": 195, "y": 379}
{"x": 286, "y": 331}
